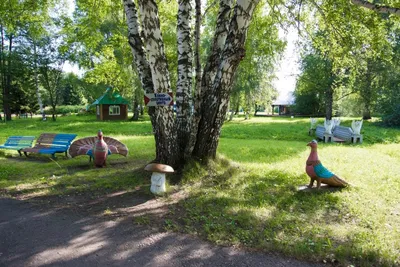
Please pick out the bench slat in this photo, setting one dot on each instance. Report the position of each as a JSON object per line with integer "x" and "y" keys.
{"x": 51, "y": 143}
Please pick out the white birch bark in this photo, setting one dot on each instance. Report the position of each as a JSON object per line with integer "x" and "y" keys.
{"x": 195, "y": 118}
{"x": 205, "y": 89}
{"x": 164, "y": 124}
{"x": 161, "y": 117}
{"x": 213, "y": 117}
{"x": 136, "y": 43}
{"x": 154, "y": 45}
{"x": 185, "y": 66}
{"x": 37, "y": 82}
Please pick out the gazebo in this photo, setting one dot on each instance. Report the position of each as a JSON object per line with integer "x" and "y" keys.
{"x": 111, "y": 106}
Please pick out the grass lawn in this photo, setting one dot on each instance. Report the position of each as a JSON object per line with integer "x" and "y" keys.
{"x": 249, "y": 195}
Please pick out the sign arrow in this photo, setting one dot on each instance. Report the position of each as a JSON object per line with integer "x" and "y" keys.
{"x": 158, "y": 99}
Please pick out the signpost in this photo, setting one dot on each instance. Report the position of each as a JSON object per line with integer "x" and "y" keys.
{"x": 158, "y": 99}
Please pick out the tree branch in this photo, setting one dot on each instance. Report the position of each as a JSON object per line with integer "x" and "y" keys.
{"x": 377, "y": 7}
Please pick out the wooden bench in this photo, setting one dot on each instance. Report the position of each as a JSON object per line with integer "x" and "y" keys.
{"x": 347, "y": 134}
{"x": 51, "y": 143}
{"x": 18, "y": 143}
{"x": 320, "y": 133}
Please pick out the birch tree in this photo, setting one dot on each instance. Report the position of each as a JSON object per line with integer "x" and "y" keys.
{"x": 196, "y": 134}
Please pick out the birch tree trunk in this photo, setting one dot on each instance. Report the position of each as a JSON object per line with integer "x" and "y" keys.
{"x": 217, "y": 101}
{"x": 154, "y": 74}
{"x": 184, "y": 82}
{"x": 210, "y": 69}
{"x": 2, "y": 64}
{"x": 7, "y": 87}
{"x": 213, "y": 96}
{"x": 37, "y": 81}
{"x": 164, "y": 127}
{"x": 195, "y": 118}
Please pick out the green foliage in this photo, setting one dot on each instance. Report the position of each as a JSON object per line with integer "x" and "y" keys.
{"x": 253, "y": 82}
{"x": 101, "y": 46}
{"x": 71, "y": 90}
{"x": 64, "y": 110}
{"x": 311, "y": 87}
{"x": 393, "y": 120}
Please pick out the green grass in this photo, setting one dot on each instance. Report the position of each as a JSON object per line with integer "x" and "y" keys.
{"x": 248, "y": 196}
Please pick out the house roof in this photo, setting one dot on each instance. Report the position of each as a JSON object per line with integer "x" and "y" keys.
{"x": 281, "y": 104}
{"x": 110, "y": 98}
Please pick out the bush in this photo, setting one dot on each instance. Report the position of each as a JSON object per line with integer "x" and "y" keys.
{"x": 392, "y": 120}
{"x": 64, "y": 110}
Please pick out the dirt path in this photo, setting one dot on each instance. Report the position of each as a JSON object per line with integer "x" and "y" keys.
{"x": 41, "y": 235}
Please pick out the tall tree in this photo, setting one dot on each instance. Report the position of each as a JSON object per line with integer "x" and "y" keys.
{"x": 15, "y": 15}
{"x": 255, "y": 75}
{"x": 226, "y": 53}
{"x": 314, "y": 88}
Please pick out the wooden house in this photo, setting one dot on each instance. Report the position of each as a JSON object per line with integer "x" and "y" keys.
{"x": 111, "y": 106}
{"x": 283, "y": 108}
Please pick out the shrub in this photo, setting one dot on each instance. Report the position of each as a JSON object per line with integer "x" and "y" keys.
{"x": 392, "y": 120}
{"x": 64, "y": 110}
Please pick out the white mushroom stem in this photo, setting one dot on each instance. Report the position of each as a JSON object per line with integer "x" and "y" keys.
{"x": 157, "y": 183}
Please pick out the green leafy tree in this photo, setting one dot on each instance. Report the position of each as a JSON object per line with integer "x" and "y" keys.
{"x": 71, "y": 90}
{"x": 312, "y": 85}
{"x": 15, "y": 17}
{"x": 256, "y": 72}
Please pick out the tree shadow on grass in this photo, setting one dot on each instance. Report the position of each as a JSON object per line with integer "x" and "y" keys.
{"x": 269, "y": 213}
{"x": 264, "y": 212}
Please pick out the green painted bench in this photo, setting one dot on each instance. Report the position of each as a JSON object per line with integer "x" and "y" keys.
{"x": 51, "y": 143}
{"x": 18, "y": 143}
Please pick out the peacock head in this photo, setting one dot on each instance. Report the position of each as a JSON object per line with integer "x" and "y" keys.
{"x": 313, "y": 143}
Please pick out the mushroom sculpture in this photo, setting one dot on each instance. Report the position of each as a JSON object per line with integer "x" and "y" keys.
{"x": 158, "y": 176}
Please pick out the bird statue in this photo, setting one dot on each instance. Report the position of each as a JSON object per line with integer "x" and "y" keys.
{"x": 317, "y": 171}
{"x": 98, "y": 148}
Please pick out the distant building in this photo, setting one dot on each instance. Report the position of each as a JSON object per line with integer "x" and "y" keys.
{"x": 283, "y": 108}
{"x": 111, "y": 106}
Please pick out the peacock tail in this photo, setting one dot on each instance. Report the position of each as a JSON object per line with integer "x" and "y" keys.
{"x": 84, "y": 146}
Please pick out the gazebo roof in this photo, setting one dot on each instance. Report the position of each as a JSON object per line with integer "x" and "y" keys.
{"x": 110, "y": 98}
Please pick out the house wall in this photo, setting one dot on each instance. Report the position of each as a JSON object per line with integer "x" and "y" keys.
{"x": 282, "y": 109}
{"x": 104, "y": 113}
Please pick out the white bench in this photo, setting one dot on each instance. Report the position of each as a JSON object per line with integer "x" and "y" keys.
{"x": 347, "y": 134}
{"x": 320, "y": 133}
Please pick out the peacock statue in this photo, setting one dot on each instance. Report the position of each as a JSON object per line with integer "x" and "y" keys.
{"x": 317, "y": 171}
{"x": 98, "y": 148}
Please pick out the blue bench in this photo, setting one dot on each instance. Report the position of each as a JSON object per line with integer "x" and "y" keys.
{"x": 18, "y": 143}
{"x": 51, "y": 143}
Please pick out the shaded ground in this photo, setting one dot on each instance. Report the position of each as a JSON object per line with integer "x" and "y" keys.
{"x": 76, "y": 231}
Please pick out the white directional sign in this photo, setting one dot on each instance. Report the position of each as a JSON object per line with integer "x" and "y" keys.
{"x": 158, "y": 99}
